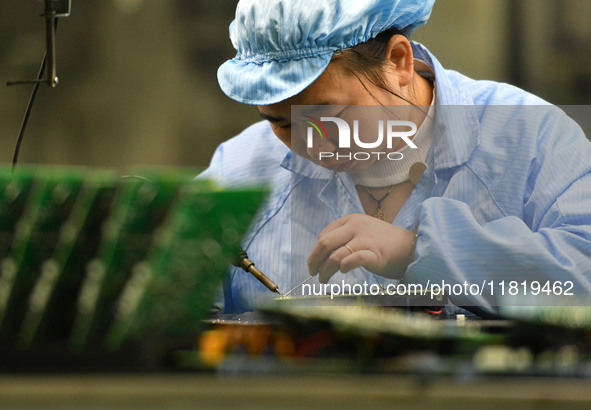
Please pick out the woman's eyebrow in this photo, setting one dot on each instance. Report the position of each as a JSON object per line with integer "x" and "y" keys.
{"x": 271, "y": 118}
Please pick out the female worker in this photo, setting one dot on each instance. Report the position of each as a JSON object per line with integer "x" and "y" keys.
{"x": 492, "y": 184}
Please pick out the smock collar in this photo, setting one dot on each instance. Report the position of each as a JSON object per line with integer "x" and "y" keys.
{"x": 457, "y": 128}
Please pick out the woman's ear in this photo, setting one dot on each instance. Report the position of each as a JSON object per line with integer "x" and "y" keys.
{"x": 399, "y": 60}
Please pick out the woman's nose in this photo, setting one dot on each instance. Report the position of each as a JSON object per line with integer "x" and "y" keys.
{"x": 320, "y": 144}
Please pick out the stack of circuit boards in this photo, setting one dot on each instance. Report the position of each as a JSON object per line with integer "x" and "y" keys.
{"x": 91, "y": 261}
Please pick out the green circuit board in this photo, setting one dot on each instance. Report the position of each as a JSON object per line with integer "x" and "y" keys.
{"x": 75, "y": 243}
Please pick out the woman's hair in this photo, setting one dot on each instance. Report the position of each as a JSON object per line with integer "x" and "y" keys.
{"x": 368, "y": 59}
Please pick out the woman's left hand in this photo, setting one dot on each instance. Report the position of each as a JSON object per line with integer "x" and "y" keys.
{"x": 361, "y": 240}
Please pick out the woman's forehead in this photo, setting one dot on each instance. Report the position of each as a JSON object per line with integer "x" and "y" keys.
{"x": 328, "y": 89}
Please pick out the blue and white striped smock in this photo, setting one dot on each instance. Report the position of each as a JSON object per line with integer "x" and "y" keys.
{"x": 507, "y": 196}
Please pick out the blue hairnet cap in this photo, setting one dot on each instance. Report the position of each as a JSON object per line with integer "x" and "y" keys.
{"x": 284, "y": 45}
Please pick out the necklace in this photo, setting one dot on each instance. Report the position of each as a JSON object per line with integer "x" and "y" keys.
{"x": 414, "y": 175}
{"x": 380, "y": 214}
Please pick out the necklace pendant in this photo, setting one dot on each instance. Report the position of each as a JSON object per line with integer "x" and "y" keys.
{"x": 380, "y": 215}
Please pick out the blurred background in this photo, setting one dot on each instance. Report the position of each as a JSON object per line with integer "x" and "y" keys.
{"x": 138, "y": 77}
